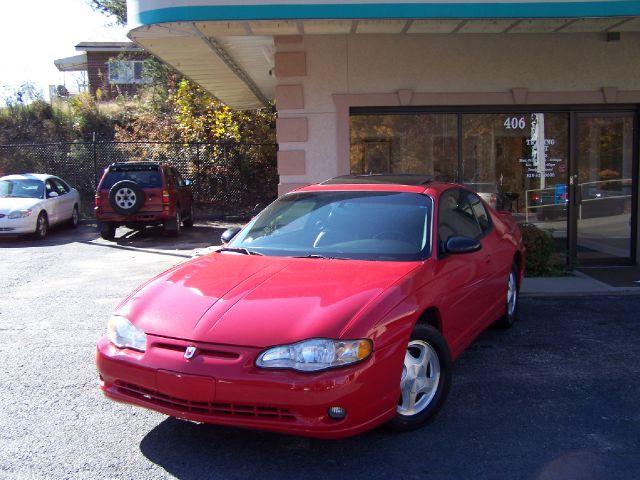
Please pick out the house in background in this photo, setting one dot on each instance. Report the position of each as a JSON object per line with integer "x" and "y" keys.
{"x": 111, "y": 68}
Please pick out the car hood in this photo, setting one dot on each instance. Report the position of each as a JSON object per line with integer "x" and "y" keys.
{"x": 258, "y": 301}
{"x": 8, "y": 205}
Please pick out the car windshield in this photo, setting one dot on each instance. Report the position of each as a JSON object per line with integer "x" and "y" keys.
{"x": 392, "y": 226}
{"x": 146, "y": 178}
{"x": 21, "y": 188}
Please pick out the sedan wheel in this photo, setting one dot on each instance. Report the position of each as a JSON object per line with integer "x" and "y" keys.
{"x": 511, "y": 310}
{"x": 420, "y": 377}
{"x": 425, "y": 379}
{"x": 42, "y": 226}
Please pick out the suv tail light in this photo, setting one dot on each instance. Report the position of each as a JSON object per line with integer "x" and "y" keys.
{"x": 166, "y": 198}
{"x": 98, "y": 200}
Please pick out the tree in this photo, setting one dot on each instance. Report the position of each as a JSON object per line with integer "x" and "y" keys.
{"x": 112, "y": 8}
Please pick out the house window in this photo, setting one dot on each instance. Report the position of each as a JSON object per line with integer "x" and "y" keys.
{"x": 126, "y": 72}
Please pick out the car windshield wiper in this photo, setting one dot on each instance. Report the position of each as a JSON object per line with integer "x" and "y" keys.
{"x": 243, "y": 251}
{"x": 317, "y": 255}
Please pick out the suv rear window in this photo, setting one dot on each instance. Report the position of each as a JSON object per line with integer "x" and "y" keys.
{"x": 146, "y": 178}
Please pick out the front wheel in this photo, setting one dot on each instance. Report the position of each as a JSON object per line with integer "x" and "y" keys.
{"x": 425, "y": 379}
{"x": 188, "y": 222}
{"x": 42, "y": 226}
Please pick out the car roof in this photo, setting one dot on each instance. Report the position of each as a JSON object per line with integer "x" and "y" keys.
{"x": 398, "y": 179}
{"x": 28, "y": 176}
{"x": 389, "y": 183}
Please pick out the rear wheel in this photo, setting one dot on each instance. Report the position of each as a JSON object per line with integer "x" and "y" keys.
{"x": 512, "y": 300}
{"x": 425, "y": 379}
{"x": 42, "y": 226}
{"x": 75, "y": 217}
{"x": 173, "y": 227}
{"x": 108, "y": 231}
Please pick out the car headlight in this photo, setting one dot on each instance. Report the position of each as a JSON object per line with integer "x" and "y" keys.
{"x": 20, "y": 214}
{"x": 315, "y": 354}
{"x": 123, "y": 334}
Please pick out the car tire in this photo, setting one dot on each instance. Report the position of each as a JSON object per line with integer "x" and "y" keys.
{"x": 107, "y": 231}
{"x": 432, "y": 374}
{"x": 173, "y": 227}
{"x": 42, "y": 226}
{"x": 75, "y": 217}
{"x": 188, "y": 221}
{"x": 126, "y": 197}
{"x": 513, "y": 299}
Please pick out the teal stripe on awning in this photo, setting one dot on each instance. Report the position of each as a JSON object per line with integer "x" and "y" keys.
{"x": 391, "y": 11}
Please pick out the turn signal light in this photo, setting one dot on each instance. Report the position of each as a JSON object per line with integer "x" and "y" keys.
{"x": 165, "y": 197}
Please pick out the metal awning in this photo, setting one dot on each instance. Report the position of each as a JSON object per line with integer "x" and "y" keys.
{"x": 227, "y": 46}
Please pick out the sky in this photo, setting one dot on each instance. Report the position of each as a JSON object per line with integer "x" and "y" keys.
{"x": 33, "y": 33}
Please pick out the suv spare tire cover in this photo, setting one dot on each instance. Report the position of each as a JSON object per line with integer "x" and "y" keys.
{"x": 126, "y": 197}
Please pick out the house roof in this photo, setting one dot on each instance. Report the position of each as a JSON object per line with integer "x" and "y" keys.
{"x": 108, "y": 47}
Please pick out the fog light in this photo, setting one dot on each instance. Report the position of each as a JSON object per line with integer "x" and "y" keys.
{"x": 337, "y": 413}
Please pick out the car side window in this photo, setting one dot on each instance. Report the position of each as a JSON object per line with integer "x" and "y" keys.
{"x": 479, "y": 211}
{"x": 171, "y": 180}
{"x": 49, "y": 188}
{"x": 456, "y": 217}
{"x": 59, "y": 186}
{"x": 178, "y": 177}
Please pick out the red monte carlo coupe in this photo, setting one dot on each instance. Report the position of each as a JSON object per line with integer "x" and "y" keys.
{"x": 338, "y": 308}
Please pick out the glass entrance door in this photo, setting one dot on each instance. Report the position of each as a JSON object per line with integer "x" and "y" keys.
{"x": 602, "y": 180}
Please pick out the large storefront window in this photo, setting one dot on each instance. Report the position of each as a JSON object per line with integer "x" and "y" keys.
{"x": 519, "y": 162}
{"x": 423, "y": 144}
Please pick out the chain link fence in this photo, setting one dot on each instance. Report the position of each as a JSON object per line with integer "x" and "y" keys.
{"x": 228, "y": 177}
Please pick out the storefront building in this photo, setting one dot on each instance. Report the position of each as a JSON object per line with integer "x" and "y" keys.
{"x": 533, "y": 104}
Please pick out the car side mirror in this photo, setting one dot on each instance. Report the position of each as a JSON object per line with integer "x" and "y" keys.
{"x": 458, "y": 245}
{"x": 52, "y": 195}
{"x": 229, "y": 234}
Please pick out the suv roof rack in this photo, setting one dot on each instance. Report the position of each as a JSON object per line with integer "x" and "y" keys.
{"x": 375, "y": 178}
{"x": 134, "y": 166}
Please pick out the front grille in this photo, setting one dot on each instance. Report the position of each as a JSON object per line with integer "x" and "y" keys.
{"x": 205, "y": 408}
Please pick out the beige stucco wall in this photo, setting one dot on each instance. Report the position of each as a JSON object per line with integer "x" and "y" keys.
{"x": 443, "y": 68}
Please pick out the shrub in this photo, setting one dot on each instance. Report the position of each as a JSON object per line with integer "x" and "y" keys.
{"x": 540, "y": 258}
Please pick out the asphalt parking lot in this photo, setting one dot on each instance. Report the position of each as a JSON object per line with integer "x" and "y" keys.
{"x": 555, "y": 397}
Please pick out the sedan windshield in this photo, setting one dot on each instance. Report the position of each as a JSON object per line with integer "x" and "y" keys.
{"x": 394, "y": 226}
{"x": 21, "y": 189}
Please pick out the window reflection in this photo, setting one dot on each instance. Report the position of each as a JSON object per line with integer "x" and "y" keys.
{"x": 518, "y": 162}
{"x": 420, "y": 144}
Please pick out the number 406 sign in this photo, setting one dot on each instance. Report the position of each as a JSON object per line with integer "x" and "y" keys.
{"x": 515, "y": 123}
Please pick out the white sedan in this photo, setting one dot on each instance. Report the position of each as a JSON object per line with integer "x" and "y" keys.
{"x": 31, "y": 203}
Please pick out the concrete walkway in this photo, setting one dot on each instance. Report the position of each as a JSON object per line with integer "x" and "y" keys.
{"x": 577, "y": 284}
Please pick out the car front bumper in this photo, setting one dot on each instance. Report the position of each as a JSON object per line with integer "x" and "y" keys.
{"x": 221, "y": 385}
{"x": 18, "y": 226}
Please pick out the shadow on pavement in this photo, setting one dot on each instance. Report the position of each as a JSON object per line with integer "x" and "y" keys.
{"x": 58, "y": 235}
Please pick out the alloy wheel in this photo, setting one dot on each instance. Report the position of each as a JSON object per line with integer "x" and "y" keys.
{"x": 512, "y": 294}
{"x": 42, "y": 226}
{"x": 420, "y": 378}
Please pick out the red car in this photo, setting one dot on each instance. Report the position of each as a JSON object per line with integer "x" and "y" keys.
{"x": 338, "y": 308}
{"x": 137, "y": 194}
